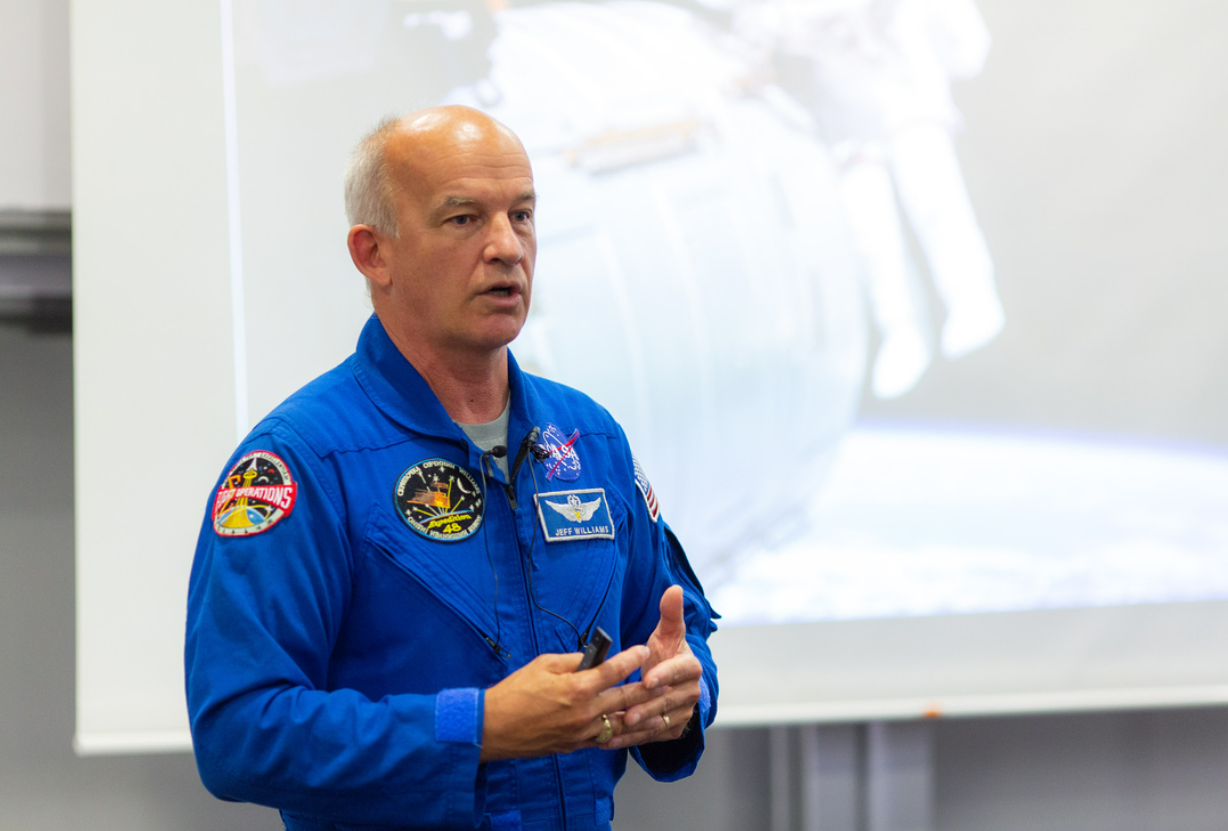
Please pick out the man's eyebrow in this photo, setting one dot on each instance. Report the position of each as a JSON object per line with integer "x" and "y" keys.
{"x": 451, "y": 202}
{"x": 448, "y": 204}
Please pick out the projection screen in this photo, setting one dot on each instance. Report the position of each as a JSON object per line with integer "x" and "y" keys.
{"x": 909, "y": 308}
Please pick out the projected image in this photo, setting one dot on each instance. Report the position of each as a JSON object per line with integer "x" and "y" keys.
{"x": 693, "y": 269}
{"x": 922, "y": 522}
{"x": 744, "y": 209}
{"x": 876, "y": 76}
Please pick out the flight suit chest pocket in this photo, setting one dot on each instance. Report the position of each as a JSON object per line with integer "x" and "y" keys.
{"x": 576, "y": 561}
{"x": 456, "y": 573}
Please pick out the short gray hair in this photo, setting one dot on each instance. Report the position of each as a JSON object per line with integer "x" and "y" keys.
{"x": 370, "y": 198}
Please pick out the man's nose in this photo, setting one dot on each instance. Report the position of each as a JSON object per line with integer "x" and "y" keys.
{"x": 504, "y": 244}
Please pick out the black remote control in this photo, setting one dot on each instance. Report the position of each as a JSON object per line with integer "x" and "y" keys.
{"x": 596, "y": 650}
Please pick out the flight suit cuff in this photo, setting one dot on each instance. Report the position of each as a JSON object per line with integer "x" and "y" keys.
{"x": 458, "y": 715}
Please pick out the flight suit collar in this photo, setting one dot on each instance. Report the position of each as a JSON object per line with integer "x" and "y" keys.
{"x": 400, "y": 391}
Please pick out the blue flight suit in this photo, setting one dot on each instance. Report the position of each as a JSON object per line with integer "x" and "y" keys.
{"x": 363, "y": 574}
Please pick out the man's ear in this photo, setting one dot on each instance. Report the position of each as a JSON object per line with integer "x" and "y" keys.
{"x": 368, "y": 254}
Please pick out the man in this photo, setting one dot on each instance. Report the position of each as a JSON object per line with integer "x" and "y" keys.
{"x": 401, "y": 561}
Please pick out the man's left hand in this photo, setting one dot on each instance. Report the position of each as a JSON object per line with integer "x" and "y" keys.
{"x": 672, "y": 667}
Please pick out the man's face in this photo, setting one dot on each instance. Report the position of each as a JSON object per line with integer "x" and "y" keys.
{"x": 461, "y": 269}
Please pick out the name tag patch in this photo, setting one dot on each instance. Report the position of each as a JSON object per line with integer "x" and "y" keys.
{"x": 567, "y": 516}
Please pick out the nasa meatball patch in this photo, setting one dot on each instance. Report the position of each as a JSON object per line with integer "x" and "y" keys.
{"x": 440, "y": 500}
{"x": 256, "y": 494}
{"x": 562, "y": 463}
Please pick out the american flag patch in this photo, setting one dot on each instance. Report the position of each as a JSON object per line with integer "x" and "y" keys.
{"x": 650, "y": 498}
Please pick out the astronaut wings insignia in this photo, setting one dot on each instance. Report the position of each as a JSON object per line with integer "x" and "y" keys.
{"x": 575, "y": 510}
{"x": 575, "y": 515}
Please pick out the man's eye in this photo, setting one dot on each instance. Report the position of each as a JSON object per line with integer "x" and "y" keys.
{"x": 461, "y": 220}
{"x": 522, "y": 216}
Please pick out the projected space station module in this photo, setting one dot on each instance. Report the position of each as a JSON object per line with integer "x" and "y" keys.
{"x": 693, "y": 270}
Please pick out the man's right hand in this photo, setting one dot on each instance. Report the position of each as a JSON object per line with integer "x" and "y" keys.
{"x": 548, "y": 707}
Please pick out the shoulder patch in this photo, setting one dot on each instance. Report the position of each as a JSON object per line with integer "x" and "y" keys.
{"x": 645, "y": 487}
{"x": 256, "y": 494}
{"x": 563, "y": 463}
{"x": 440, "y": 500}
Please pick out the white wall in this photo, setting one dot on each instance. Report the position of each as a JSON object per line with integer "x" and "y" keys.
{"x": 1148, "y": 771}
{"x": 34, "y": 169}
{"x": 43, "y": 785}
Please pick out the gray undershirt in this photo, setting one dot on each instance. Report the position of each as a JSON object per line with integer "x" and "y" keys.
{"x": 491, "y": 434}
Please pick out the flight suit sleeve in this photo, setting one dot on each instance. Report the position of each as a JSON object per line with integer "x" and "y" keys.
{"x": 657, "y": 561}
{"x": 268, "y": 595}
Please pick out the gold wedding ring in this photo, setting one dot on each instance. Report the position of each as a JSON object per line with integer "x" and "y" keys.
{"x": 607, "y": 732}
{"x": 665, "y": 719}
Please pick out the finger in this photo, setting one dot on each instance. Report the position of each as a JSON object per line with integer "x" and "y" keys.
{"x": 626, "y": 696}
{"x": 682, "y": 697}
{"x": 673, "y": 723}
{"x": 679, "y": 669}
{"x": 671, "y": 629}
{"x": 596, "y": 733}
{"x": 654, "y": 730}
{"x": 559, "y": 662}
{"x": 616, "y": 669}
{"x": 605, "y": 730}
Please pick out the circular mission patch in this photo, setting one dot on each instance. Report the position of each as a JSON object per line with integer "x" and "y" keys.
{"x": 255, "y": 495}
{"x": 440, "y": 500}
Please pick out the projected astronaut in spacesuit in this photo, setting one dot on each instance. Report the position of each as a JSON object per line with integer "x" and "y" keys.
{"x": 876, "y": 74}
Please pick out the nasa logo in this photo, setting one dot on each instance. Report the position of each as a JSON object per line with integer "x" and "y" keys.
{"x": 563, "y": 463}
{"x": 439, "y": 500}
{"x": 256, "y": 494}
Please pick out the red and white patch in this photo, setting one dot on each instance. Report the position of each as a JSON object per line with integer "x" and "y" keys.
{"x": 641, "y": 482}
{"x": 256, "y": 494}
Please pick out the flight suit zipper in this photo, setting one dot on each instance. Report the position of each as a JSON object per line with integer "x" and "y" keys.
{"x": 510, "y": 489}
{"x": 500, "y": 652}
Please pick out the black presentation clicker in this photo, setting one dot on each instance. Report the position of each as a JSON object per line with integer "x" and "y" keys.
{"x": 596, "y": 650}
